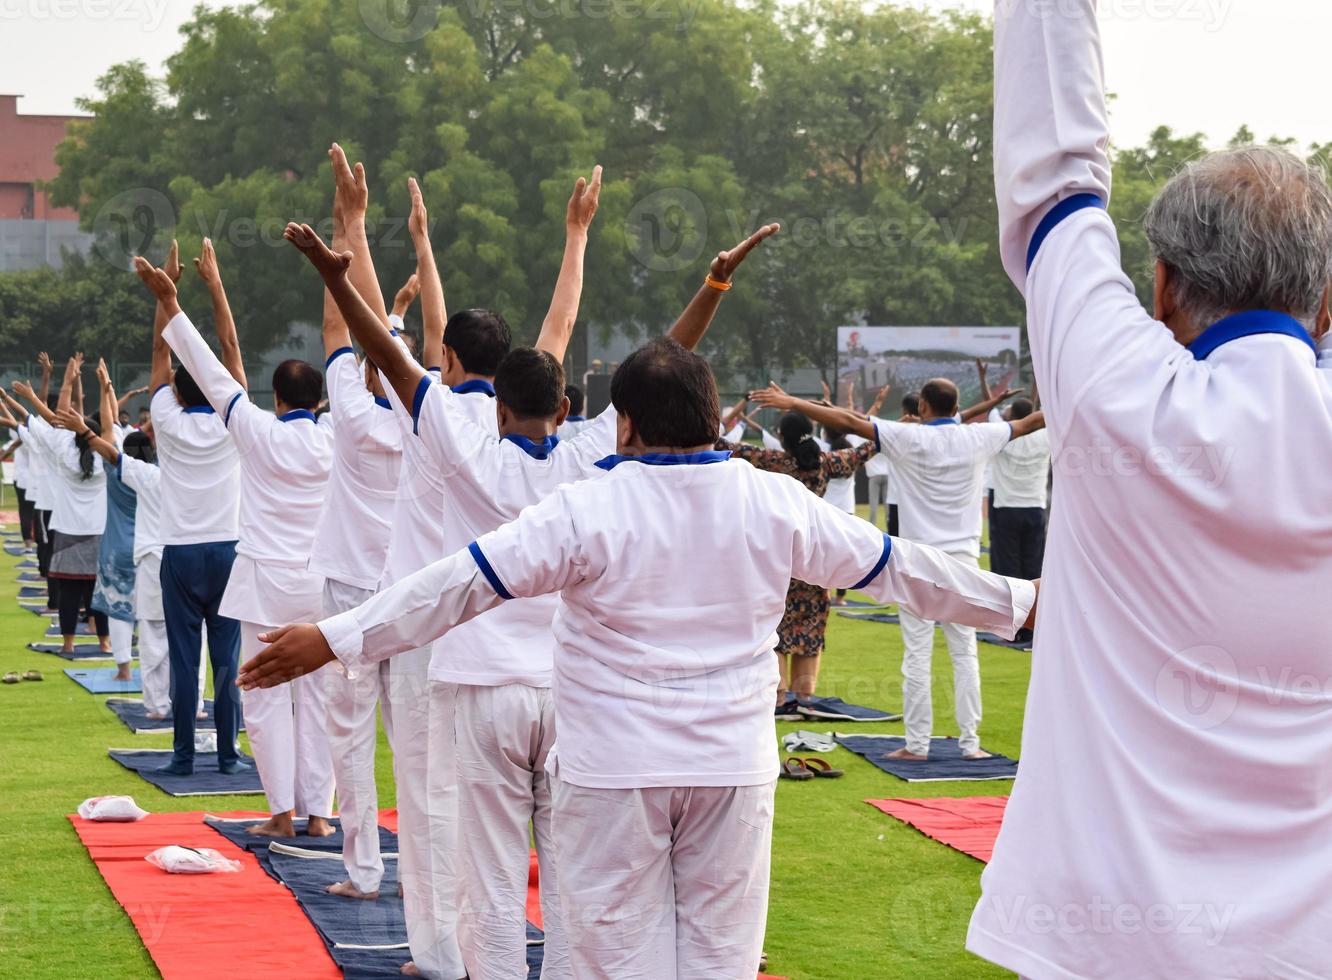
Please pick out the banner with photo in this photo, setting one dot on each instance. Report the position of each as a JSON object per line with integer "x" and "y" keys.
{"x": 906, "y": 357}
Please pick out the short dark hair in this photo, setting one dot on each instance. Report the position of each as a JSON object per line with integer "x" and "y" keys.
{"x": 480, "y": 339}
{"x": 139, "y": 446}
{"x": 298, "y": 383}
{"x": 911, "y": 403}
{"x": 145, "y": 413}
{"x": 530, "y": 383}
{"x": 797, "y": 435}
{"x": 941, "y": 395}
{"x": 1021, "y": 408}
{"x": 576, "y": 399}
{"x": 669, "y": 393}
{"x": 188, "y": 390}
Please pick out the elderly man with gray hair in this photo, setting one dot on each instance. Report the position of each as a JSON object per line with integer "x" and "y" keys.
{"x": 1173, "y": 815}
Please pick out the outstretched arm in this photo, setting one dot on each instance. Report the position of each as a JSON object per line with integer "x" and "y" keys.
{"x": 1026, "y": 426}
{"x": 991, "y": 402}
{"x": 124, "y": 399}
{"x": 44, "y": 361}
{"x": 371, "y": 332}
{"x": 161, "y": 369}
{"x": 16, "y": 409}
{"x": 693, "y": 323}
{"x": 982, "y": 372}
{"x": 206, "y": 265}
{"x": 434, "y": 311}
{"x": 77, "y": 424}
{"x": 108, "y": 406}
{"x": 350, "y": 199}
{"x": 563, "y": 313}
{"x": 24, "y": 391}
{"x": 66, "y": 400}
{"x": 831, "y": 416}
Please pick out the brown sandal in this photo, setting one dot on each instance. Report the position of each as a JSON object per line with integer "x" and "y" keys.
{"x": 821, "y": 769}
{"x": 794, "y": 768}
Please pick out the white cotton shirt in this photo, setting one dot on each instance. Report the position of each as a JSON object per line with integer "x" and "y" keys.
{"x": 571, "y": 426}
{"x": 284, "y": 468}
{"x": 78, "y": 503}
{"x": 1022, "y": 472}
{"x": 21, "y": 463}
{"x": 145, "y": 479}
{"x": 352, "y": 537}
{"x": 490, "y": 481}
{"x": 38, "y": 468}
{"x": 660, "y": 678}
{"x": 1171, "y": 814}
{"x": 841, "y": 493}
{"x": 200, "y": 472}
{"x": 938, "y": 468}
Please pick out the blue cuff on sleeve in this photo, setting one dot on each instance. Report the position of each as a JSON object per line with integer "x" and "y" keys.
{"x": 417, "y": 400}
{"x": 335, "y": 355}
{"x": 1065, "y": 208}
{"x": 883, "y": 560}
{"x": 226, "y": 419}
{"x": 489, "y": 572}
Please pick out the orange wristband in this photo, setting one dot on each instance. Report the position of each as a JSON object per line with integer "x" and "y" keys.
{"x": 717, "y": 284}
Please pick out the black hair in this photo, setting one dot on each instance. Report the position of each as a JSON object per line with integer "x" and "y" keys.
{"x": 145, "y": 412}
{"x": 911, "y": 403}
{"x": 298, "y": 383}
{"x": 479, "y": 339}
{"x": 669, "y": 393}
{"x": 797, "y": 435}
{"x": 137, "y": 445}
{"x": 530, "y": 383}
{"x": 188, "y": 390}
{"x": 84, "y": 446}
{"x": 837, "y": 439}
{"x": 53, "y": 402}
{"x": 1021, "y": 408}
{"x": 941, "y": 395}
{"x": 576, "y": 399}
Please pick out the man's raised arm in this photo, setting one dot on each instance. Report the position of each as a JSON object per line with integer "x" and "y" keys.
{"x": 434, "y": 311}
{"x": 350, "y": 199}
{"x": 558, "y": 326}
{"x": 206, "y": 265}
{"x": 841, "y": 419}
{"x": 693, "y": 323}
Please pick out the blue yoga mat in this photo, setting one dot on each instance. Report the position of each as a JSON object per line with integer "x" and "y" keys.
{"x": 101, "y": 680}
{"x": 879, "y": 617}
{"x": 82, "y": 629}
{"x": 81, "y": 651}
{"x": 999, "y": 641}
{"x": 37, "y": 608}
{"x": 206, "y": 780}
{"x": 234, "y": 831}
{"x": 132, "y": 712}
{"x": 377, "y": 928}
{"x": 944, "y": 765}
{"x": 15, "y": 550}
{"x": 27, "y": 563}
{"x": 32, "y": 592}
{"x": 29, "y": 577}
{"x": 835, "y": 709}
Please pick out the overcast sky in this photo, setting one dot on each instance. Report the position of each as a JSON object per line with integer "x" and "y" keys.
{"x": 1196, "y": 65}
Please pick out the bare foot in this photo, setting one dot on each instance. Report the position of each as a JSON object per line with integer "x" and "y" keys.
{"x": 278, "y": 825}
{"x": 123, "y": 673}
{"x": 907, "y": 756}
{"x": 978, "y": 754}
{"x": 68, "y": 645}
{"x": 320, "y": 827}
{"x": 409, "y": 969}
{"x": 156, "y": 716}
{"x": 347, "y": 890}
{"x": 201, "y": 715}
{"x": 330, "y": 265}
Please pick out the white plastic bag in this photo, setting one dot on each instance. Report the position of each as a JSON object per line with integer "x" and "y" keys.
{"x": 178, "y": 860}
{"x": 111, "y": 809}
{"x": 205, "y": 741}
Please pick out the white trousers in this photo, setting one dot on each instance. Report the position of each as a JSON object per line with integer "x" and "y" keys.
{"x": 352, "y": 735}
{"x": 155, "y": 667}
{"x": 122, "y": 640}
{"x": 288, "y": 733}
{"x": 664, "y": 882}
{"x": 503, "y": 736}
{"x": 917, "y": 653}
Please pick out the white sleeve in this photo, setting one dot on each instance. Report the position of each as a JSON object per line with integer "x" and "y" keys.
{"x": 736, "y": 434}
{"x": 350, "y": 404}
{"x": 934, "y": 586}
{"x": 1051, "y": 132}
{"x": 990, "y": 437}
{"x": 136, "y": 474}
{"x": 208, "y": 372}
{"x": 893, "y": 438}
{"x": 414, "y": 612}
{"x": 770, "y": 441}
{"x": 451, "y": 438}
{"x": 596, "y": 440}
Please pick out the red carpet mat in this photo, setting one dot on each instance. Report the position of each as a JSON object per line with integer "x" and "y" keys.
{"x": 968, "y": 824}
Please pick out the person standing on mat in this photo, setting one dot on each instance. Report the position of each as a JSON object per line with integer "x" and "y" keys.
{"x": 939, "y": 465}
{"x": 285, "y": 458}
{"x": 665, "y": 767}
{"x": 1175, "y": 791}
{"x": 1021, "y": 478}
{"x": 501, "y": 665}
{"x": 200, "y": 480}
{"x": 78, "y": 513}
{"x": 38, "y": 493}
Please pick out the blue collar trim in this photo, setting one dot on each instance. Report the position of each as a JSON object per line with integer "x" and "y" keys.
{"x": 297, "y": 414}
{"x": 475, "y": 384}
{"x": 383, "y": 402}
{"x": 574, "y": 418}
{"x": 1248, "y": 324}
{"x": 667, "y": 459}
{"x": 942, "y": 422}
{"x": 200, "y": 410}
{"x": 537, "y": 450}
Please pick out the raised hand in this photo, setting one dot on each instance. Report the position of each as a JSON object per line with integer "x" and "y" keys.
{"x": 418, "y": 221}
{"x": 44, "y": 362}
{"x": 67, "y": 418}
{"x": 206, "y": 265}
{"x": 292, "y": 651}
{"x": 330, "y": 265}
{"x": 583, "y": 202}
{"x": 773, "y": 396}
{"x": 351, "y": 194}
{"x": 407, "y": 294}
{"x": 24, "y": 390}
{"x": 103, "y": 375}
{"x": 157, "y": 281}
{"x": 172, "y": 266}
{"x": 725, "y": 264}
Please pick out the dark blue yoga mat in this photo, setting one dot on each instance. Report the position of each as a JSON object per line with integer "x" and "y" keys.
{"x": 29, "y": 577}
{"x": 101, "y": 680}
{"x": 206, "y": 781}
{"x": 234, "y": 831}
{"x": 999, "y": 641}
{"x": 378, "y": 927}
{"x": 944, "y": 765}
{"x": 870, "y": 617}
{"x": 835, "y": 709}
{"x": 132, "y": 712}
{"x": 37, "y": 608}
{"x": 32, "y": 592}
{"x": 81, "y": 651}
{"x": 27, "y": 563}
{"x": 15, "y": 550}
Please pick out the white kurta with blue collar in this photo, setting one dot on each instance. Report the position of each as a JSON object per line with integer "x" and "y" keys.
{"x": 1171, "y": 815}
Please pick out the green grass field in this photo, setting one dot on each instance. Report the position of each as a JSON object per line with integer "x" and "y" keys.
{"x": 855, "y": 894}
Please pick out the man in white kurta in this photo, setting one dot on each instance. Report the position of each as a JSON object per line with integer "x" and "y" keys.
{"x": 1171, "y": 815}
{"x": 665, "y": 767}
{"x": 284, "y": 465}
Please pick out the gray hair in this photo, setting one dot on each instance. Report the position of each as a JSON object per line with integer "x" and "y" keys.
{"x": 1245, "y": 229}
